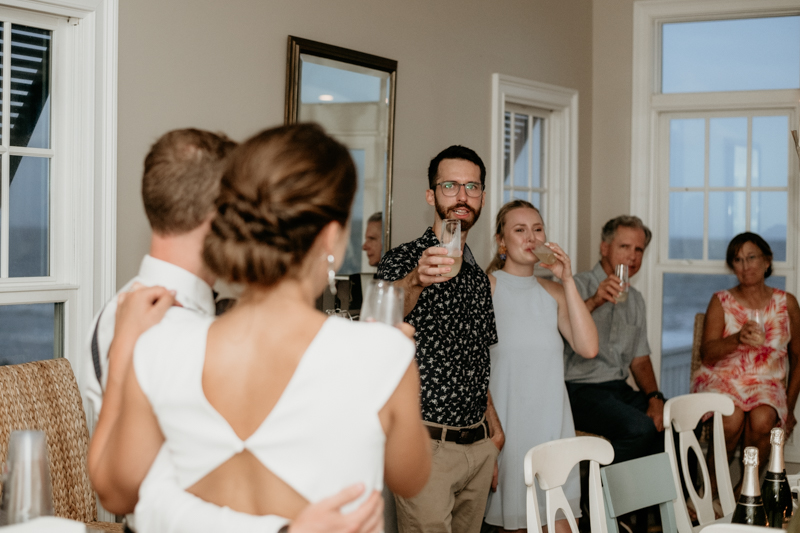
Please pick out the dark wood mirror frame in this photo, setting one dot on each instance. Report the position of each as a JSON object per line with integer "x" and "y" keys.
{"x": 298, "y": 46}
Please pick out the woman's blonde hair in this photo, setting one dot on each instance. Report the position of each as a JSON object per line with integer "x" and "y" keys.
{"x": 500, "y": 226}
{"x": 280, "y": 189}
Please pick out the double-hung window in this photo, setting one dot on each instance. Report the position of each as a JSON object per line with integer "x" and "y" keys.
{"x": 56, "y": 174}
{"x": 534, "y": 153}
{"x": 716, "y": 93}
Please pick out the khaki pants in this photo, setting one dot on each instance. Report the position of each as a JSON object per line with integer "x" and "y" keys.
{"x": 454, "y": 499}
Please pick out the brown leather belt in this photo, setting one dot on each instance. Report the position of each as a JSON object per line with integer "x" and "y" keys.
{"x": 460, "y": 435}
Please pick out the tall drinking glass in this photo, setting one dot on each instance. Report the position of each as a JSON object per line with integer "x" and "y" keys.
{"x": 451, "y": 240}
{"x": 383, "y": 302}
{"x": 757, "y": 316}
{"x": 27, "y": 493}
{"x": 621, "y": 271}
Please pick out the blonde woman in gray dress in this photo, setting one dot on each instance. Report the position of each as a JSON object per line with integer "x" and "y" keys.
{"x": 527, "y": 379}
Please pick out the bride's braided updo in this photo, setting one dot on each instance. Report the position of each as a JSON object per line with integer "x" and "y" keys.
{"x": 281, "y": 188}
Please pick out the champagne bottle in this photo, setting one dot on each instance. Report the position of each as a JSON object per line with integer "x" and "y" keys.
{"x": 750, "y": 508}
{"x": 775, "y": 491}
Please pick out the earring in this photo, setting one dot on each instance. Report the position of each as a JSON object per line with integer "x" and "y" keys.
{"x": 331, "y": 275}
{"x": 501, "y": 250}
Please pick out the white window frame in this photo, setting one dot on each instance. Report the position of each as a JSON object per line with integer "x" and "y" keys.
{"x": 83, "y": 197}
{"x": 648, "y": 104}
{"x": 560, "y": 169}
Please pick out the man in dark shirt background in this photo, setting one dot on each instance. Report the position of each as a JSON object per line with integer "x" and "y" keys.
{"x": 455, "y": 325}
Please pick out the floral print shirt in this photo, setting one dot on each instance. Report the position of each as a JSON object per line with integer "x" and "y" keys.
{"x": 455, "y": 326}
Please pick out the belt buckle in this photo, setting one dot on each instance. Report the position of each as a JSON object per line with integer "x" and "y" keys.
{"x": 464, "y": 436}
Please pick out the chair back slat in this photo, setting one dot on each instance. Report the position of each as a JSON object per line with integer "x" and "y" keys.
{"x": 550, "y": 463}
{"x": 637, "y": 484}
{"x": 44, "y": 395}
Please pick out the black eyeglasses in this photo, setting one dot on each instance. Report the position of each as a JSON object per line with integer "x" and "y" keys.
{"x": 452, "y": 188}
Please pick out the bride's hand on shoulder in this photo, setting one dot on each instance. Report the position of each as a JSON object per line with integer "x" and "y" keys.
{"x": 140, "y": 309}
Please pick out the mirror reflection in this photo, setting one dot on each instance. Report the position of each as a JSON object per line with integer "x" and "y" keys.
{"x": 351, "y": 95}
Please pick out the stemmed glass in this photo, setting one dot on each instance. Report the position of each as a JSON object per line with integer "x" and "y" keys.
{"x": 383, "y": 302}
{"x": 27, "y": 492}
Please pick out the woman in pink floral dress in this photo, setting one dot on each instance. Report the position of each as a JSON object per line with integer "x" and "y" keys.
{"x": 747, "y": 361}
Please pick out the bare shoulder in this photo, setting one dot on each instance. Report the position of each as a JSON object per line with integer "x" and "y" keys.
{"x": 492, "y": 282}
{"x": 791, "y": 303}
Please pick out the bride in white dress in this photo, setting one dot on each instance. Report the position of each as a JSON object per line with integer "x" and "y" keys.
{"x": 274, "y": 405}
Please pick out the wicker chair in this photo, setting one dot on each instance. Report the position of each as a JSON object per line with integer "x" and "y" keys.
{"x": 44, "y": 395}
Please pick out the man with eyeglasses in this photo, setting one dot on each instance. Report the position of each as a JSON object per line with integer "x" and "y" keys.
{"x": 455, "y": 325}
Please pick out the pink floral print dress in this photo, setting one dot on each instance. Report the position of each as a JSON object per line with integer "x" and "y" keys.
{"x": 751, "y": 376}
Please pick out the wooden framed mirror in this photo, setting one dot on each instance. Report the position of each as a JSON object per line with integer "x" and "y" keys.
{"x": 352, "y": 95}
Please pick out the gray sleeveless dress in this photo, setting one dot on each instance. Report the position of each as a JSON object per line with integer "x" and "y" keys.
{"x": 528, "y": 390}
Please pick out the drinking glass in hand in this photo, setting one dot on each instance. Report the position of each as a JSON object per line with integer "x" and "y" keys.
{"x": 27, "y": 493}
{"x": 621, "y": 271}
{"x": 451, "y": 240}
{"x": 544, "y": 254}
{"x": 383, "y": 302}
{"x": 757, "y": 316}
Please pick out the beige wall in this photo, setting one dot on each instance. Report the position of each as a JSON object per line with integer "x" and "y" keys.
{"x": 221, "y": 66}
{"x": 612, "y": 60}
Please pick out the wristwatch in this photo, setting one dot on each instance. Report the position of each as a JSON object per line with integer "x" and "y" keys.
{"x": 656, "y": 394}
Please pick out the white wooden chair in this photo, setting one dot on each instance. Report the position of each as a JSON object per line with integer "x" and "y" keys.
{"x": 683, "y": 414}
{"x": 551, "y": 463}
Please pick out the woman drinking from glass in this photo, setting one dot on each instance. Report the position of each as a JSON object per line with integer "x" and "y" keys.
{"x": 527, "y": 378}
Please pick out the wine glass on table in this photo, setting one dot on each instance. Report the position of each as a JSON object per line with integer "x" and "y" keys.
{"x": 27, "y": 492}
{"x": 383, "y": 302}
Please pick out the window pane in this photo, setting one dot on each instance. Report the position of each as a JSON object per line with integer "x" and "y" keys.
{"x": 2, "y": 37}
{"x": 768, "y": 219}
{"x": 30, "y": 87}
{"x": 685, "y": 295}
{"x": 522, "y": 150}
{"x": 30, "y": 332}
{"x": 770, "y": 152}
{"x": 686, "y": 225}
{"x": 731, "y": 55}
{"x": 536, "y": 200}
{"x": 522, "y": 195}
{"x": 506, "y": 196}
{"x": 687, "y": 152}
{"x": 727, "y": 166}
{"x": 538, "y": 148}
{"x": 727, "y": 213}
{"x": 29, "y": 217}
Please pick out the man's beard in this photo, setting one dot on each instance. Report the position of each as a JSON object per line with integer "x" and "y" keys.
{"x": 465, "y": 223}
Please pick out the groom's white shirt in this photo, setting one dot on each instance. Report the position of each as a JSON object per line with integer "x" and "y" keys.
{"x": 163, "y": 506}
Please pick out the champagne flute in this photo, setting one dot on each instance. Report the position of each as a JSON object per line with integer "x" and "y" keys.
{"x": 383, "y": 302}
{"x": 27, "y": 492}
{"x": 621, "y": 271}
{"x": 451, "y": 240}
